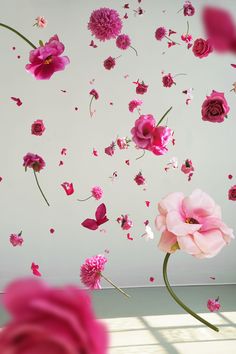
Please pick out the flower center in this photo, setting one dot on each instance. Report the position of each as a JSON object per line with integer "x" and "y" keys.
{"x": 48, "y": 60}
{"x": 191, "y": 221}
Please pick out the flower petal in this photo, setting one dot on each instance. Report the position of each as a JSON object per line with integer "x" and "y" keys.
{"x": 177, "y": 226}
{"x": 210, "y": 242}
{"x": 167, "y": 240}
{"x": 187, "y": 244}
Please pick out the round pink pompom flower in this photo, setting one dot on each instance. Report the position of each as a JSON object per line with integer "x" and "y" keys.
{"x": 167, "y": 80}
{"x": 90, "y": 271}
{"x": 123, "y": 41}
{"x": 160, "y": 33}
{"x": 105, "y": 24}
{"x": 109, "y": 63}
{"x": 97, "y": 192}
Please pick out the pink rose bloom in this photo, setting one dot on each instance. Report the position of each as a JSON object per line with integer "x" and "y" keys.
{"x": 47, "y": 59}
{"x": 141, "y": 88}
{"x": 160, "y": 33}
{"x": 161, "y": 136}
{"x": 109, "y": 63}
{"x": 167, "y": 80}
{"x": 187, "y": 167}
{"x": 139, "y": 179}
{"x": 192, "y": 224}
{"x": 105, "y": 24}
{"x": 40, "y": 22}
{"x": 134, "y": 104}
{"x": 123, "y": 41}
{"x": 38, "y": 127}
{"x": 94, "y": 93}
{"x": 16, "y": 240}
{"x": 33, "y": 161}
{"x": 50, "y": 320}
{"x": 213, "y": 305}
{"x": 215, "y": 108}
{"x": 110, "y": 150}
{"x": 142, "y": 131}
{"x": 232, "y": 193}
{"x": 90, "y": 271}
{"x": 189, "y": 10}
{"x": 202, "y": 48}
{"x": 97, "y": 192}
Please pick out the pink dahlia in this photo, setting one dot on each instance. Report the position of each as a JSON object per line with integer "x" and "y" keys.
{"x": 160, "y": 33}
{"x": 123, "y": 41}
{"x": 90, "y": 271}
{"x": 105, "y": 24}
{"x": 97, "y": 192}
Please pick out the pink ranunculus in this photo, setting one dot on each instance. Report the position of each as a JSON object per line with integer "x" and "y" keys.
{"x": 160, "y": 33}
{"x": 213, "y": 305}
{"x": 47, "y": 59}
{"x": 33, "y": 161}
{"x": 187, "y": 166}
{"x": 123, "y": 41}
{"x": 189, "y": 10}
{"x": 192, "y": 224}
{"x": 139, "y": 179}
{"x": 143, "y": 130}
{"x": 232, "y": 193}
{"x": 38, "y": 127}
{"x": 202, "y": 48}
{"x": 90, "y": 271}
{"x": 215, "y": 108}
{"x": 16, "y": 240}
{"x": 167, "y": 80}
{"x": 109, "y": 63}
{"x": 47, "y": 319}
{"x": 161, "y": 136}
{"x": 134, "y": 104}
{"x": 97, "y": 192}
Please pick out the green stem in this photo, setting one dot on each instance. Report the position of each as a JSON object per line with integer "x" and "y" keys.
{"x": 169, "y": 39}
{"x": 19, "y": 34}
{"x": 141, "y": 155}
{"x": 187, "y": 28}
{"x": 134, "y": 50}
{"x": 90, "y": 107}
{"x": 116, "y": 287}
{"x": 36, "y": 178}
{"x": 83, "y": 200}
{"x": 164, "y": 116}
{"x": 186, "y": 308}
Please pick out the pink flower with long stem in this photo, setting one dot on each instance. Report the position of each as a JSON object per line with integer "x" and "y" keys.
{"x": 91, "y": 273}
{"x": 141, "y": 88}
{"x": 95, "y": 96}
{"x": 96, "y": 193}
{"x": 161, "y": 32}
{"x": 123, "y": 42}
{"x": 41, "y": 22}
{"x": 16, "y": 239}
{"x": 105, "y": 24}
{"x": 37, "y": 163}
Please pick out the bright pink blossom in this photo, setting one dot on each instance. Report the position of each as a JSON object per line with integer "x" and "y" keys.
{"x": 35, "y": 269}
{"x": 90, "y": 271}
{"x": 110, "y": 150}
{"x": 123, "y": 143}
{"x": 105, "y": 24}
{"x": 192, "y": 224}
{"x": 47, "y": 59}
{"x": 232, "y": 193}
{"x": 189, "y": 10}
{"x": 160, "y": 33}
{"x": 40, "y": 22}
{"x": 202, "y": 48}
{"x": 215, "y": 108}
{"x": 143, "y": 130}
{"x": 38, "y": 127}
{"x": 134, "y": 104}
{"x": 97, "y": 192}
{"x": 94, "y": 93}
{"x": 109, "y": 63}
{"x": 50, "y": 320}
{"x": 123, "y": 41}
{"x": 187, "y": 166}
{"x": 139, "y": 179}
{"x": 33, "y": 161}
{"x": 68, "y": 188}
{"x": 167, "y": 80}
{"x": 161, "y": 136}
{"x": 141, "y": 88}
{"x": 16, "y": 240}
{"x": 213, "y": 305}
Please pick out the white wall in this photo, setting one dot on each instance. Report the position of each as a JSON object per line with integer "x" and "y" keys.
{"x": 210, "y": 146}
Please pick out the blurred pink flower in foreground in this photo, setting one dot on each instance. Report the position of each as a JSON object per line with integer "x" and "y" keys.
{"x": 213, "y": 305}
{"x": 50, "y": 320}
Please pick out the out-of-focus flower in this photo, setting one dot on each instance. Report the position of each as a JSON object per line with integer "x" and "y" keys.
{"x": 16, "y": 239}
{"x": 213, "y": 305}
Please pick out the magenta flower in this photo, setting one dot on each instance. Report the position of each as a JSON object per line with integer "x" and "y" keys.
{"x": 16, "y": 240}
{"x": 109, "y": 63}
{"x": 215, "y": 108}
{"x": 167, "y": 80}
{"x": 213, "y": 305}
{"x": 134, "y": 104}
{"x": 38, "y": 127}
{"x": 188, "y": 8}
{"x": 95, "y": 95}
{"x": 141, "y": 88}
{"x": 41, "y": 22}
{"x": 161, "y": 136}
{"x": 35, "y": 270}
{"x": 110, "y": 150}
{"x": 97, "y": 192}
{"x": 123, "y": 41}
{"x": 105, "y": 24}
{"x": 232, "y": 193}
{"x": 142, "y": 131}
{"x": 47, "y": 59}
{"x": 139, "y": 179}
{"x": 160, "y": 33}
{"x": 202, "y": 48}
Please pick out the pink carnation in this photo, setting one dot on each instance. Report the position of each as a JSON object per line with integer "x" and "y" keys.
{"x": 109, "y": 63}
{"x": 33, "y": 161}
{"x": 123, "y": 41}
{"x": 160, "y": 33}
{"x": 134, "y": 104}
{"x": 97, "y": 192}
{"x": 213, "y": 305}
{"x": 232, "y": 193}
{"x": 167, "y": 80}
{"x": 141, "y": 88}
{"x": 38, "y": 127}
{"x": 90, "y": 271}
{"x": 16, "y": 240}
{"x": 189, "y": 10}
{"x": 105, "y": 24}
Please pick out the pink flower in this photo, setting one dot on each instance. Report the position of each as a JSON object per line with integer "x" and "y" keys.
{"x": 105, "y": 24}
{"x": 110, "y": 150}
{"x": 33, "y": 161}
{"x": 35, "y": 270}
{"x": 160, "y": 33}
{"x": 16, "y": 240}
{"x": 213, "y": 305}
{"x": 215, "y": 108}
{"x": 126, "y": 223}
{"x": 202, "y": 48}
{"x": 90, "y": 271}
{"x": 232, "y": 193}
{"x": 187, "y": 167}
{"x": 161, "y": 136}
{"x": 189, "y": 10}
{"x": 47, "y": 319}
{"x": 134, "y": 104}
{"x": 139, "y": 179}
{"x": 123, "y": 143}
{"x": 109, "y": 63}
{"x": 143, "y": 130}
{"x": 38, "y": 127}
{"x": 47, "y": 59}
{"x": 167, "y": 80}
{"x": 186, "y": 38}
{"x": 123, "y": 41}
{"x": 94, "y": 93}
{"x": 192, "y": 224}
{"x": 40, "y": 22}
{"x": 141, "y": 88}
{"x": 68, "y": 188}
{"x": 97, "y": 192}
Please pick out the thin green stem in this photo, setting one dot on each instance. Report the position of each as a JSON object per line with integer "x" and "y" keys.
{"x": 83, "y": 200}
{"x": 134, "y": 50}
{"x": 187, "y": 28}
{"x": 116, "y": 287}
{"x": 19, "y": 34}
{"x": 36, "y": 178}
{"x": 164, "y": 116}
{"x": 186, "y": 308}
{"x": 144, "y": 151}
{"x": 169, "y": 39}
{"x": 90, "y": 107}
{"x": 179, "y": 74}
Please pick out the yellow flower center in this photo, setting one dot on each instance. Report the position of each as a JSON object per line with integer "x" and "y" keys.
{"x": 191, "y": 221}
{"x": 48, "y": 60}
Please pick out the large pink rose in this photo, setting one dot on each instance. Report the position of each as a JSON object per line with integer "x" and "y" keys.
{"x": 202, "y": 48}
{"x": 50, "y": 320}
{"x": 215, "y": 107}
{"x": 142, "y": 131}
{"x": 160, "y": 138}
{"x": 192, "y": 224}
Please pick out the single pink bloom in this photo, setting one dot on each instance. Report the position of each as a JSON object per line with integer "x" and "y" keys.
{"x": 97, "y": 192}
{"x": 33, "y": 161}
{"x": 40, "y": 22}
{"x": 167, "y": 80}
{"x": 125, "y": 222}
{"x": 35, "y": 270}
{"x": 202, "y": 48}
{"x": 143, "y": 130}
{"x": 50, "y": 320}
{"x": 94, "y": 93}
{"x": 17, "y": 100}
{"x": 160, "y": 33}
{"x": 100, "y": 218}
{"x": 105, "y": 24}
{"x": 139, "y": 179}
{"x": 38, "y": 127}
{"x": 187, "y": 167}
{"x": 110, "y": 150}
{"x": 215, "y": 108}
{"x": 192, "y": 224}
{"x": 47, "y": 59}
{"x": 68, "y": 188}
{"x": 232, "y": 193}
{"x": 141, "y": 88}
{"x": 161, "y": 136}
{"x": 190, "y": 176}
{"x": 109, "y": 63}
{"x": 16, "y": 240}
{"x": 122, "y": 143}
{"x": 134, "y": 104}
{"x": 90, "y": 271}
{"x": 189, "y": 10}
{"x": 123, "y": 41}
{"x": 213, "y": 305}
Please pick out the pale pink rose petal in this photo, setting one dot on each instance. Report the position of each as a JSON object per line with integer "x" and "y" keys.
{"x": 175, "y": 224}
{"x": 187, "y": 244}
{"x": 167, "y": 240}
{"x": 210, "y": 242}
{"x": 160, "y": 223}
{"x": 172, "y": 202}
{"x": 198, "y": 204}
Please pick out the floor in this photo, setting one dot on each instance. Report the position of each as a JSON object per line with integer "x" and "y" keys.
{"x": 151, "y": 322}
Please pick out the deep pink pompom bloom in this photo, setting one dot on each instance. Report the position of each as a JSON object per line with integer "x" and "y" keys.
{"x": 142, "y": 131}
{"x": 90, "y": 271}
{"x": 232, "y": 193}
{"x": 215, "y": 108}
{"x": 167, "y": 80}
{"x": 94, "y": 93}
{"x": 123, "y": 41}
{"x": 192, "y": 224}
{"x": 134, "y": 104}
{"x": 213, "y": 305}
{"x": 38, "y": 127}
{"x": 187, "y": 167}
{"x": 160, "y": 33}
{"x": 97, "y": 192}
{"x": 47, "y": 59}
{"x": 202, "y": 48}
{"x": 188, "y": 8}
{"x": 139, "y": 179}
{"x": 16, "y": 240}
{"x": 47, "y": 319}
{"x": 109, "y": 63}
{"x": 161, "y": 136}
{"x": 105, "y": 24}
{"x": 33, "y": 161}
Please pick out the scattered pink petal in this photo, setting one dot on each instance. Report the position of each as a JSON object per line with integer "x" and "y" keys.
{"x": 147, "y": 203}
{"x": 107, "y": 251}
{"x": 64, "y": 91}
{"x": 52, "y": 231}
{"x": 114, "y": 176}
{"x": 92, "y": 44}
{"x": 104, "y": 231}
{"x": 18, "y": 56}
{"x": 61, "y": 163}
{"x": 126, "y": 16}
{"x": 187, "y": 166}
{"x": 139, "y": 11}
{"x": 146, "y": 222}
{"x": 190, "y": 176}
{"x": 151, "y": 279}
{"x": 13, "y": 48}
{"x": 110, "y": 150}
{"x": 1, "y": 179}
{"x": 171, "y": 32}
{"x": 129, "y": 237}
{"x": 189, "y": 45}
{"x": 171, "y": 44}
{"x": 232, "y": 193}
{"x": 100, "y": 216}
{"x": 127, "y": 162}
{"x": 17, "y": 100}
{"x": 230, "y": 176}
{"x": 68, "y": 188}
{"x": 35, "y": 269}
{"x": 173, "y": 141}
{"x": 111, "y": 103}
{"x": 139, "y": 179}
{"x": 76, "y": 108}
{"x": 95, "y": 152}
{"x": 64, "y": 151}
{"x": 126, "y": 6}
{"x": 92, "y": 81}
{"x": 213, "y": 305}
{"x": 233, "y": 65}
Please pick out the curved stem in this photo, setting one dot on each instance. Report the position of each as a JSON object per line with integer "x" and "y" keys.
{"x": 169, "y": 39}
{"x": 141, "y": 155}
{"x": 187, "y": 28}
{"x": 134, "y": 50}
{"x": 179, "y": 74}
{"x": 116, "y": 287}
{"x": 164, "y": 116}
{"x": 83, "y": 200}
{"x": 186, "y": 308}
{"x": 36, "y": 178}
{"x": 90, "y": 107}
{"x": 18, "y": 34}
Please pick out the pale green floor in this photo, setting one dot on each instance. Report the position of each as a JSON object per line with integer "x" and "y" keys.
{"x": 151, "y": 322}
